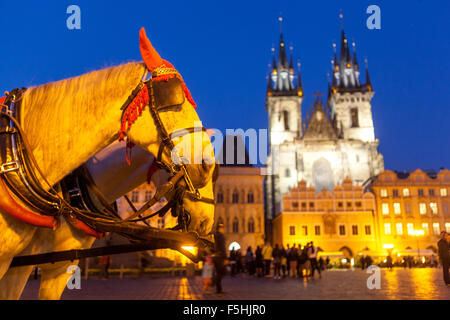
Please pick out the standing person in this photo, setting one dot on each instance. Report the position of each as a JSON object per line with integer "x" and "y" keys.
{"x": 369, "y": 261}
{"x": 105, "y": 262}
{"x": 267, "y": 257}
{"x": 233, "y": 262}
{"x": 207, "y": 273}
{"x": 363, "y": 262}
{"x": 312, "y": 256}
{"x": 292, "y": 257}
{"x": 327, "y": 262}
{"x": 283, "y": 261}
{"x": 259, "y": 261}
{"x": 238, "y": 261}
{"x": 219, "y": 257}
{"x": 249, "y": 261}
{"x": 433, "y": 261}
{"x": 306, "y": 265}
{"x": 389, "y": 262}
{"x": 288, "y": 267}
{"x": 322, "y": 264}
{"x": 276, "y": 254}
{"x": 302, "y": 259}
{"x": 444, "y": 256}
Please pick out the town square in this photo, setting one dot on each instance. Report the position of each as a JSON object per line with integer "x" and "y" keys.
{"x": 233, "y": 152}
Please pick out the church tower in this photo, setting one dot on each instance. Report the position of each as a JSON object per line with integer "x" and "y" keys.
{"x": 283, "y": 104}
{"x": 350, "y": 100}
{"x": 284, "y": 98}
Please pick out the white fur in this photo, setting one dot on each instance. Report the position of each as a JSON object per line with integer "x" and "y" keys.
{"x": 63, "y": 137}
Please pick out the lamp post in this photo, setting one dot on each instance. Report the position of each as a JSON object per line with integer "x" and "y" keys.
{"x": 417, "y": 233}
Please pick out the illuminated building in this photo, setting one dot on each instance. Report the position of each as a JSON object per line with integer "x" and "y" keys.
{"x": 342, "y": 220}
{"x": 333, "y": 142}
{"x": 411, "y": 202}
{"x": 239, "y": 197}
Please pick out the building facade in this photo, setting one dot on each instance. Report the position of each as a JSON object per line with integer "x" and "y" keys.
{"x": 339, "y": 221}
{"x": 411, "y": 202}
{"x": 239, "y": 198}
{"x": 332, "y": 142}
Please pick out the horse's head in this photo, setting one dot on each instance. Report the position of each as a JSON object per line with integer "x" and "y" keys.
{"x": 172, "y": 131}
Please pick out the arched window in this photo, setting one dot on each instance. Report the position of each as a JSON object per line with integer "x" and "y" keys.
{"x": 354, "y": 115}
{"x": 135, "y": 196}
{"x": 250, "y": 197}
{"x": 251, "y": 225}
{"x": 286, "y": 120}
{"x": 287, "y": 173}
{"x": 235, "y": 196}
{"x": 235, "y": 225}
{"x": 220, "y": 197}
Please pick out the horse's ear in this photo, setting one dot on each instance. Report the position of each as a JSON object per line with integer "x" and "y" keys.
{"x": 210, "y": 132}
{"x": 150, "y": 56}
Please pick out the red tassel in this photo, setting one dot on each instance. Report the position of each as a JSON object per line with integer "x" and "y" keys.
{"x": 130, "y": 146}
{"x": 151, "y": 170}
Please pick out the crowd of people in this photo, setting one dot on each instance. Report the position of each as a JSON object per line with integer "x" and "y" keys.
{"x": 265, "y": 261}
{"x": 294, "y": 261}
{"x": 278, "y": 262}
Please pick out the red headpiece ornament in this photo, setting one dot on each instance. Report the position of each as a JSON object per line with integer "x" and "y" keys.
{"x": 154, "y": 63}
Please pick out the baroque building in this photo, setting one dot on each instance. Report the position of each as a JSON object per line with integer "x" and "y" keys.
{"x": 410, "y": 202}
{"x": 333, "y": 142}
{"x": 239, "y": 197}
{"x": 341, "y": 221}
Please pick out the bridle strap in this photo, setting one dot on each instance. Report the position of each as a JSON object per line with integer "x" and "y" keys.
{"x": 166, "y": 188}
{"x": 174, "y": 135}
{"x": 166, "y": 140}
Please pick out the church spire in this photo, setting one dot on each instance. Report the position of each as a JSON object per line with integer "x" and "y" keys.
{"x": 346, "y": 69}
{"x": 368, "y": 82}
{"x": 355, "y": 60}
{"x": 282, "y": 56}
{"x": 283, "y": 73}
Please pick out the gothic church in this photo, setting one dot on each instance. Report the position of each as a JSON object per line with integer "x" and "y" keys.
{"x": 335, "y": 141}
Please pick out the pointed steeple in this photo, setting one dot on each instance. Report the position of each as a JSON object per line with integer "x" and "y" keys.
{"x": 355, "y": 60}
{"x": 269, "y": 86}
{"x": 368, "y": 82}
{"x": 283, "y": 74}
{"x": 299, "y": 80}
{"x": 346, "y": 73}
{"x": 345, "y": 57}
{"x": 282, "y": 56}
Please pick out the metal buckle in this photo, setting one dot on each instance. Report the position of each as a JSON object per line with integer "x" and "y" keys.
{"x": 74, "y": 192}
{"x": 4, "y": 167}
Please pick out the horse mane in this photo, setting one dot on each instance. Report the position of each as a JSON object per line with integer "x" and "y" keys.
{"x": 58, "y": 114}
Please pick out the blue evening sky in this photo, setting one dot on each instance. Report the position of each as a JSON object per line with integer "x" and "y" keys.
{"x": 223, "y": 48}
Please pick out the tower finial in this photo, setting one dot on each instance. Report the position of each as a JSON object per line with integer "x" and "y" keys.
{"x": 341, "y": 16}
{"x": 280, "y": 18}
{"x": 368, "y": 82}
{"x": 299, "y": 80}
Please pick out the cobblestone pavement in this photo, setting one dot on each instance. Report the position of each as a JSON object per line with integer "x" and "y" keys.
{"x": 351, "y": 284}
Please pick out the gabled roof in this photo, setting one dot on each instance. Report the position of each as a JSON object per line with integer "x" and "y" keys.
{"x": 319, "y": 126}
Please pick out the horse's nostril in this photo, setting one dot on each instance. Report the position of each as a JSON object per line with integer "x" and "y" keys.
{"x": 206, "y": 166}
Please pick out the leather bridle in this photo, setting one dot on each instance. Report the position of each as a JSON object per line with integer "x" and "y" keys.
{"x": 111, "y": 221}
{"x": 178, "y": 171}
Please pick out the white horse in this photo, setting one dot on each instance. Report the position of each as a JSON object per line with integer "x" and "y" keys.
{"x": 69, "y": 121}
{"x": 114, "y": 178}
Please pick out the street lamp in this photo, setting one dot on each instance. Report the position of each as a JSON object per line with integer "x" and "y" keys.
{"x": 417, "y": 234}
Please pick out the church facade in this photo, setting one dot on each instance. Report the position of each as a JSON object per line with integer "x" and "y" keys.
{"x": 333, "y": 142}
